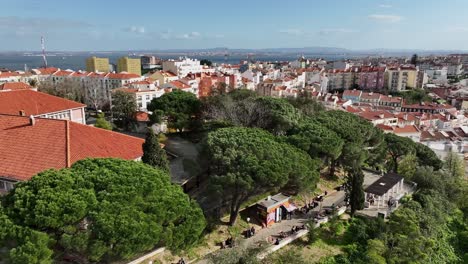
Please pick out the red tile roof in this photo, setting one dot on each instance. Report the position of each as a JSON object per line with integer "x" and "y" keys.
{"x": 8, "y": 74}
{"x": 370, "y": 96}
{"x": 50, "y": 143}
{"x": 179, "y": 84}
{"x": 48, "y": 70}
{"x": 33, "y": 103}
{"x": 63, "y": 73}
{"x": 123, "y": 76}
{"x": 375, "y": 115}
{"x": 11, "y": 86}
{"x": 141, "y": 116}
{"x": 355, "y": 93}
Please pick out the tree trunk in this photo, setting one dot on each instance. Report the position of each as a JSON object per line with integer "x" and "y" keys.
{"x": 332, "y": 168}
{"x": 235, "y": 206}
{"x": 234, "y": 213}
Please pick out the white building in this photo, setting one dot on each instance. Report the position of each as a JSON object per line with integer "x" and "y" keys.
{"x": 182, "y": 67}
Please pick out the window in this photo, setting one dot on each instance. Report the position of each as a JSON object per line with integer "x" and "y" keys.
{"x": 139, "y": 98}
{"x": 2, "y": 185}
{"x": 148, "y": 97}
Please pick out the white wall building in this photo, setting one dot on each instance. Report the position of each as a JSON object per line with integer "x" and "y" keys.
{"x": 182, "y": 67}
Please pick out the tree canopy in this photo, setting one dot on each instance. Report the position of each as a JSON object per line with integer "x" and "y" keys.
{"x": 178, "y": 107}
{"x": 243, "y": 108}
{"x": 102, "y": 210}
{"x": 101, "y": 122}
{"x": 153, "y": 154}
{"x": 124, "y": 106}
{"x": 247, "y": 161}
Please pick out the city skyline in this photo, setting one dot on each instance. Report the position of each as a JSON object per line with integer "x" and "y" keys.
{"x": 357, "y": 25}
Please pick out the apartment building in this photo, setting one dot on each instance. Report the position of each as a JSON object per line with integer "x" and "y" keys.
{"x": 95, "y": 64}
{"x": 129, "y": 65}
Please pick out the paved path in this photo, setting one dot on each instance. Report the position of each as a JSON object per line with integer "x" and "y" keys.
{"x": 262, "y": 235}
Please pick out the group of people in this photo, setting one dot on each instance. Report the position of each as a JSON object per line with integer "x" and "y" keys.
{"x": 228, "y": 243}
{"x": 250, "y": 232}
{"x": 181, "y": 261}
{"x": 295, "y": 229}
{"x": 315, "y": 203}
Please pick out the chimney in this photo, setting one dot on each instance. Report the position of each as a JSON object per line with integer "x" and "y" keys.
{"x": 405, "y": 117}
{"x": 32, "y": 120}
{"x": 381, "y": 115}
{"x": 269, "y": 198}
{"x": 22, "y": 113}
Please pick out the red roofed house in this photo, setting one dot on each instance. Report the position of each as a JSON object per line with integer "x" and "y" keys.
{"x": 13, "y": 86}
{"x": 379, "y": 117}
{"x": 403, "y": 131}
{"x": 30, "y": 145}
{"x": 181, "y": 86}
{"x": 29, "y": 102}
{"x": 353, "y": 95}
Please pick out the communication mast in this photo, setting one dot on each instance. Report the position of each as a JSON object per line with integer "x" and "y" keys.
{"x": 43, "y": 52}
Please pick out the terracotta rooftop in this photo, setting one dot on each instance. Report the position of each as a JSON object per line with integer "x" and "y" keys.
{"x": 48, "y": 70}
{"x": 142, "y": 116}
{"x": 50, "y": 143}
{"x": 179, "y": 85}
{"x": 123, "y": 76}
{"x": 354, "y": 93}
{"x": 33, "y": 103}
{"x": 13, "y": 86}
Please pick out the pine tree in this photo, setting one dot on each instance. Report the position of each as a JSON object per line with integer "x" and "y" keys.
{"x": 101, "y": 122}
{"x": 153, "y": 154}
{"x": 414, "y": 59}
{"x": 355, "y": 190}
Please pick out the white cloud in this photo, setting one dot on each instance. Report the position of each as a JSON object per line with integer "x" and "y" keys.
{"x": 386, "y": 18}
{"x": 457, "y": 29}
{"x": 292, "y": 31}
{"x": 385, "y": 6}
{"x": 328, "y": 31}
{"x": 191, "y": 35}
{"x": 136, "y": 29}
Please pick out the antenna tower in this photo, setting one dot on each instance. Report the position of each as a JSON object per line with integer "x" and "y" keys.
{"x": 43, "y": 52}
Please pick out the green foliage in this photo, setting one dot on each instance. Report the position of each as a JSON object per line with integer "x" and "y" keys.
{"x": 355, "y": 190}
{"x": 361, "y": 139}
{"x": 375, "y": 248}
{"x": 23, "y": 244}
{"x": 286, "y": 257}
{"x": 317, "y": 140}
{"x": 414, "y": 96}
{"x": 313, "y": 233}
{"x": 107, "y": 209}
{"x": 153, "y": 154}
{"x": 307, "y": 106}
{"x": 178, "y": 107}
{"x": 33, "y": 247}
{"x": 454, "y": 166}
{"x": 206, "y": 62}
{"x": 101, "y": 122}
{"x": 246, "y": 161}
{"x": 427, "y": 157}
{"x": 407, "y": 166}
{"x": 124, "y": 106}
{"x": 397, "y": 147}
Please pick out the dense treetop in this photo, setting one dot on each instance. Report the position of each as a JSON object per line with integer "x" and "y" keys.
{"x": 106, "y": 209}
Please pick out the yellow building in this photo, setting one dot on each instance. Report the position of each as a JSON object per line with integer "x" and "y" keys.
{"x": 94, "y": 64}
{"x": 129, "y": 65}
{"x": 399, "y": 79}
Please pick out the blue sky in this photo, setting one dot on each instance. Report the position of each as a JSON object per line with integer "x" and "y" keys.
{"x": 137, "y": 24}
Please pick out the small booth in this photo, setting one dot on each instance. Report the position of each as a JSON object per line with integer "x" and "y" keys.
{"x": 275, "y": 208}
